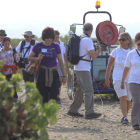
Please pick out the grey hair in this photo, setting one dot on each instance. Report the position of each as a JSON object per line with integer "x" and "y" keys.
{"x": 88, "y": 27}
{"x": 128, "y": 37}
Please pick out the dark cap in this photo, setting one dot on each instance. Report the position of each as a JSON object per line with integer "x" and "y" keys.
{"x": 2, "y": 32}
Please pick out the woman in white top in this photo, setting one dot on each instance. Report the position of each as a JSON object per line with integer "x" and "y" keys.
{"x": 118, "y": 57}
{"x": 133, "y": 63}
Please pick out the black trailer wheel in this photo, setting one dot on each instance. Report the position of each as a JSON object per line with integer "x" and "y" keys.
{"x": 71, "y": 83}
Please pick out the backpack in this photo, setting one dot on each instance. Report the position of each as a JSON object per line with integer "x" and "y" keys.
{"x": 72, "y": 50}
{"x": 23, "y": 44}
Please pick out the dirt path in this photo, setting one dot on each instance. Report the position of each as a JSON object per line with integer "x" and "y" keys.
{"x": 107, "y": 127}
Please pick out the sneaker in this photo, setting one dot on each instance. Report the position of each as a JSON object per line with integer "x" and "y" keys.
{"x": 122, "y": 119}
{"x": 125, "y": 121}
{"x": 136, "y": 127}
{"x": 93, "y": 115}
{"x": 75, "y": 114}
{"x": 58, "y": 100}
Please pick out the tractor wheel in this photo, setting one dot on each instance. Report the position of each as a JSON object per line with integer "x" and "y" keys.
{"x": 71, "y": 83}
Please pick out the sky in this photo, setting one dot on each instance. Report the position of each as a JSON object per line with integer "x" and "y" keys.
{"x": 17, "y": 16}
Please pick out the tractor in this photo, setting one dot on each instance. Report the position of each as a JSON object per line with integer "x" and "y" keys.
{"x": 107, "y": 35}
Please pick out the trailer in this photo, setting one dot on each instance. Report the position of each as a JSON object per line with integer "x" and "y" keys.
{"x": 107, "y": 35}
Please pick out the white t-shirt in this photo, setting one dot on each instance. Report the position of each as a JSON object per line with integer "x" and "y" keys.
{"x": 120, "y": 56}
{"x": 63, "y": 49}
{"x": 133, "y": 62}
{"x": 86, "y": 44}
{"x": 24, "y": 48}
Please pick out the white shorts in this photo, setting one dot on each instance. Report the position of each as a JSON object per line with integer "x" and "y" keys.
{"x": 122, "y": 92}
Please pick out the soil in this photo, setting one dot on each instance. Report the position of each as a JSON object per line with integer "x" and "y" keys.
{"x": 107, "y": 127}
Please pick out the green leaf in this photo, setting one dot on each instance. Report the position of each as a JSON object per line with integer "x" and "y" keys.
{"x": 2, "y": 130}
{"x": 28, "y": 114}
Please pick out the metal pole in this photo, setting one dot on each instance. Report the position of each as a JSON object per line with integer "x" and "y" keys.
{"x": 97, "y": 12}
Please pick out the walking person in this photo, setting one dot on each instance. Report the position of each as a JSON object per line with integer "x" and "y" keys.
{"x": 63, "y": 53}
{"x": 83, "y": 76}
{"x": 8, "y": 56}
{"x": 118, "y": 57}
{"x": 47, "y": 79}
{"x": 25, "y": 47}
{"x": 132, "y": 67}
{"x": 2, "y": 35}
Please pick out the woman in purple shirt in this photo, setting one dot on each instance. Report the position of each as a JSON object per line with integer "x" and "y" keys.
{"x": 48, "y": 80}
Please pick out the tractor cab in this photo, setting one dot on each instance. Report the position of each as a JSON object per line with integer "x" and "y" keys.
{"x": 107, "y": 35}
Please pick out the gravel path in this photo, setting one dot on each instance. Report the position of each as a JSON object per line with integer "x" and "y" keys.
{"x": 107, "y": 127}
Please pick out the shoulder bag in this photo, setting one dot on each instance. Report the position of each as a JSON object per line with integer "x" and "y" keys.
{"x": 33, "y": 67}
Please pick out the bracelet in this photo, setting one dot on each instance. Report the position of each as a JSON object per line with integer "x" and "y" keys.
{"x": 122, "y": 82}
{"x": 63, "y": 76}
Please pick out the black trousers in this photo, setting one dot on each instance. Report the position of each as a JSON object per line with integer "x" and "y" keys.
{"x": 27, "y": 77}
{"x": 8, "y": 77}
{"x": 48, "y": 92}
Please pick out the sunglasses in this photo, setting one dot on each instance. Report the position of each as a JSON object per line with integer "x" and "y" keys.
{"x": 49, "y": 37}
{"x": 123, "y": 39}
{"x": 26, "y": 36}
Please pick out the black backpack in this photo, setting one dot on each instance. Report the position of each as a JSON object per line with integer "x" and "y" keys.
{"x": 23, "y": 44}
{"x": 72, "y": 50}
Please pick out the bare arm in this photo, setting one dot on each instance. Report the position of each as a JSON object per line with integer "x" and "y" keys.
{"x": 125, "y": 73}
{"x": 108, "y": 70}
{"x": 94, "y": 54}
{"x": 65, "y": 59}
{"x": 32, "y": 57}
{"x": 59, "y": 56}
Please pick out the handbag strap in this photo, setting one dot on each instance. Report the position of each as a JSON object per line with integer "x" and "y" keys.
{"x": 27, "y": 50}
{"x": 40, "y": 49}
{"x": 137, "y": 52}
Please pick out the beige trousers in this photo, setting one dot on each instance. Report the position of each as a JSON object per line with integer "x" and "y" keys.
{"x": 84, "y": 86}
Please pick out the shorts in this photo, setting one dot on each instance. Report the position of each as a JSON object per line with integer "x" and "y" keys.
{"x": 59, "y": 69}
{"x": 122, "y": 92}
